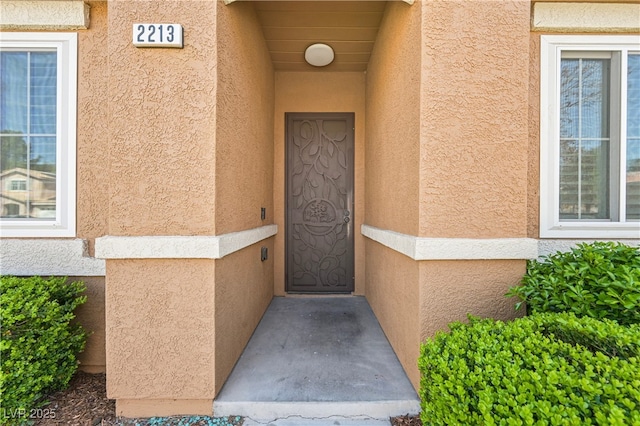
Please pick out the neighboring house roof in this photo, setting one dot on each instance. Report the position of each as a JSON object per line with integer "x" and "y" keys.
{"x": 15, "y": 200}
{"x": 34, "y": 174}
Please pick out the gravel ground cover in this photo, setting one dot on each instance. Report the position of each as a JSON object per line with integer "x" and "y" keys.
{"x": 85, "y": 403}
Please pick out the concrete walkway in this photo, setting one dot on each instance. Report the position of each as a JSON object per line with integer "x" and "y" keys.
{"x": 315, "y": 361}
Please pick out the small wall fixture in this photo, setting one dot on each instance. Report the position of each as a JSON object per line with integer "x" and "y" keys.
{"x": 319, "y": 55}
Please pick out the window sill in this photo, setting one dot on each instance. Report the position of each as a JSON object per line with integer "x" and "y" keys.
{"x": 37, "y": 231}
{"x": 592, "y": 230}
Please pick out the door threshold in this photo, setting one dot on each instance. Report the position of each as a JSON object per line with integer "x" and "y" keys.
{"x": 300, "y": 295}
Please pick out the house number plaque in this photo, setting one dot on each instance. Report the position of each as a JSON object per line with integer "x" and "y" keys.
{"x": 157, "y": 35}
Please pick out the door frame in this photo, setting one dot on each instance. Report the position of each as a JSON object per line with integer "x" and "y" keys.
{"x": 350, "y": 117}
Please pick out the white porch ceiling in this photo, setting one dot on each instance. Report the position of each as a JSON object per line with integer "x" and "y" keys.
{"x": 349, "y": 27}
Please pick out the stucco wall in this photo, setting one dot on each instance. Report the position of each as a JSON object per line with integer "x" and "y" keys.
{"x": 91, "y": 316}
{"x": 393, "y": 293}
{"x": 533, "y": 166}
{"x": 474, "y": 119}
{"x": 393, "y": 114}
{"x": 449, "y": 290}
{"x": 244, "y": 179}
{"x": 93, "y": 124}
{"x": 318, "y": 91}
{"x": 162, "y": 122}
{"x": 244, "y": 102}
{"x": 453, "y": 99}
{"x": 474, "y": 152}
{"x": 160, "y": 322}
{"x": 93, "y": 172}
{"x": 392, "y": 177}
{"x": 162, "y": 150}
{"x": 243, "y": 290}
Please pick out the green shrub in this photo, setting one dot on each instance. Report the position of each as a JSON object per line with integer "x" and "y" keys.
{"x": 599, "y": 280}
{"x": 38, "y": 342}
{"x": 544, "y": 369}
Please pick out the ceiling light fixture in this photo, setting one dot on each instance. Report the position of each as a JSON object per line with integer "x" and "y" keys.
{"x": 319, "y": 55}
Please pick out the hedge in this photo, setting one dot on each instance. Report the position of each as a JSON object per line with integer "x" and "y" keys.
{"x": 539, "y": 370}
{"x": 600, "y": 280}
{"x": 38, "y": 342}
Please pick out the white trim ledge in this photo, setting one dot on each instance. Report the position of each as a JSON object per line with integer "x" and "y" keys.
{"x": 420, "y": 248}
{"x": 180, "y": 247}
{"x": 585, "y": 17}
{"x": 44, "y": 15}
{"x": 228, "y": 2}
{"x": 48, "y": 257}
{"x": 551, "y": 246}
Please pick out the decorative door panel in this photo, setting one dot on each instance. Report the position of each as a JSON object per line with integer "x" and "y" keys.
{"x": 319, "y": 231}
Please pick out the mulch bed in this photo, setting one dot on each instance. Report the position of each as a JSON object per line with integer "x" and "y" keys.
{"x": 85, "y": 403}
{"x": 406, "y": 421}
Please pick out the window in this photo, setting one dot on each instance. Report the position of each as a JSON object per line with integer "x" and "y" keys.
{"x": 11, "y": 210}
{"x": 18, "y": 185}
{"x": 38, "y": 73}
{"x": 590, "y": 137}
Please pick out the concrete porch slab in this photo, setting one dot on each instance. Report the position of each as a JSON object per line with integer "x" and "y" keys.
{"x": 329, "y": 421}
{"x": 314, "y": 358}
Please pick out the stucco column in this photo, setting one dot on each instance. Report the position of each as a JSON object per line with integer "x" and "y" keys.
{"x": 473, "y": 154}
{"x": 446, "y": 166}
{"x": 160, "y": 312}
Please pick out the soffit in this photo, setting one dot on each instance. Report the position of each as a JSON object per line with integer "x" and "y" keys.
{"x": 349, "y": 27}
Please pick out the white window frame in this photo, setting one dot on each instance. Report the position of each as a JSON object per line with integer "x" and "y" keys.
{"x": 66, "y": 46}
{"x": 551, "y": 48}
{"x": 22, "y": 183}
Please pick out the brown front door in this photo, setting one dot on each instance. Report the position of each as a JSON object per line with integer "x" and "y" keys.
{"x": 319, "y": 234}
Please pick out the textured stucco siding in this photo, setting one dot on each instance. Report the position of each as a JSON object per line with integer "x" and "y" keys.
{"x": 162, "y": 117}
{"x": 449, "y": 290}
{"x": 244, "y": 111}
{"x": 160, "y": 322}
{"x": 92, "y": 181}
{"x": 244, "y": 179}
{"x": 392, "y": 177}
{"x": 93, "y": 128}
{"x": 394, "y": 296}
{"x": 393, "y": 114}
{"x": 243, "y": 290}
{"x": 201, "y": 165}
{"x": 160, "y": 313}
{"x": 533, "y": 150}
{"x": 474, "y": 117}
{"x": 474, "y": 153}
{"x": 319, "y": 92}
{"x": 462, "y": 170}
{"x": 91, "y": 316}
